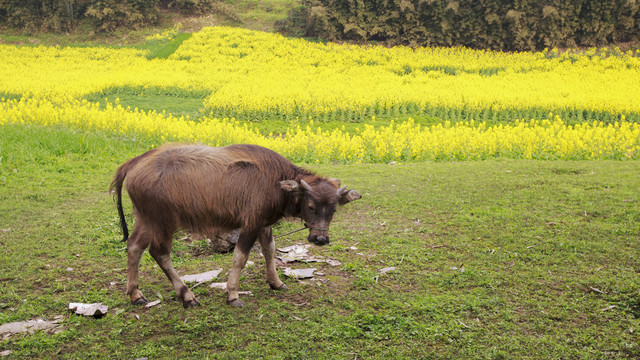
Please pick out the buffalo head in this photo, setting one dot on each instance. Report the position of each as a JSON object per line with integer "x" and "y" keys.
{"x": 317, "y": 202}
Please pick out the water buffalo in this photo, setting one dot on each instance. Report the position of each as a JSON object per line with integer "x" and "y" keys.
{"x": 216, "y": 190}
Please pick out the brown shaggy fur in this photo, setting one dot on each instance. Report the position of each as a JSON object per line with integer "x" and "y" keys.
{"x": 214, "y": 190}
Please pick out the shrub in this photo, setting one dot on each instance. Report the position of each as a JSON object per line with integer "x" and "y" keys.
{"x": 492, "y": 24}
{"x": 42, "y": 15}
{"x": 108, "y": 15}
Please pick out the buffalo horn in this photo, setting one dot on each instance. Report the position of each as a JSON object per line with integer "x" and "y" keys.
{"x": 305, "y": 185}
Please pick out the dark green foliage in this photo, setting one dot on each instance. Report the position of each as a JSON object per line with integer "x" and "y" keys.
{"x": 492, "y": 24}
{"x": 47, "y": 15}
{"x": 62, "y": 15}
{"x": 106, "y": 15}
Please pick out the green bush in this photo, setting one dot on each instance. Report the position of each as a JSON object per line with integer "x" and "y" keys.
{"x": 492, "y": 24}
{"x": 108, "y": 15}
{"x": 42, "y": 15}
{"x": 105, "y": 15}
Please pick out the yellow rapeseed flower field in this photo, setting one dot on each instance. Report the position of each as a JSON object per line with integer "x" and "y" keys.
{"x": 271, "y": 74}
{"x": 547, "y": 139}
{"x": 482, "y": 97}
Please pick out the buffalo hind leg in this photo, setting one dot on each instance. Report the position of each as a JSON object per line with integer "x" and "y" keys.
{"x": 136, "y": 245}
{"x": 240, "y": 255}
{"x": 269, "y": 251}
{"x": 161, "y": 252}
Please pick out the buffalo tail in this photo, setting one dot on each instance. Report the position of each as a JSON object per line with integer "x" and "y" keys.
{"x": 117, "y": 183}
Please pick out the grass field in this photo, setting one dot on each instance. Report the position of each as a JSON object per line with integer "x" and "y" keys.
{"x": 496, "y": 259}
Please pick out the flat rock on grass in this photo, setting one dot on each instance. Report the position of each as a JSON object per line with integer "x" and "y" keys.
{"x": 219, "y": 285}
{"x": 300, "y": 252}
{"x": 202, "y": 277}
{"x": 223, "y": 286}
{"x": 299, "y": 273}
{"x": 294, "y": 253}
{"x": 95, "y": 309}
{"x": 29, "y": 326}
{"x": 152, "y": 304}
{"x": 387, "y": 269}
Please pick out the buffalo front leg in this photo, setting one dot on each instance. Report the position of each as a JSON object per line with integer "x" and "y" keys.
{"x": 240, "y": 255}
{"x": 136, "y": 245}
{"x": 161, "y": 252}
{"x": 269, "y": 251}
{"x": 239, "y": 261}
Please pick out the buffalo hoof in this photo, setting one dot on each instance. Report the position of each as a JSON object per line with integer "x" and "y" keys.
{"x": 192, "y": 303}
{"x": 282, "y": 287}
{"x": 140, "y": 301}
{"x": 235, "y": 303}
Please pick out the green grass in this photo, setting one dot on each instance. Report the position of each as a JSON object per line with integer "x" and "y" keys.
{"x": 177, "y": 101}
{"x": 181, "y": 102}
{"x": 262, "y": 14}
{"x": 535, "y": 240}
{"x": 83, "y": 35}
{"x": 162, "y": 50}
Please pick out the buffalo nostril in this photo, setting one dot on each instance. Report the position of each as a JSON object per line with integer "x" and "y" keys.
{"x": 318, "y": 240}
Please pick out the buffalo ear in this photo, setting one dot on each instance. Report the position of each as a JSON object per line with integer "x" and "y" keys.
{"x": 348, "y": 196}
{"x": 289, "y": 186}
{"x": 335, "y": 182}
